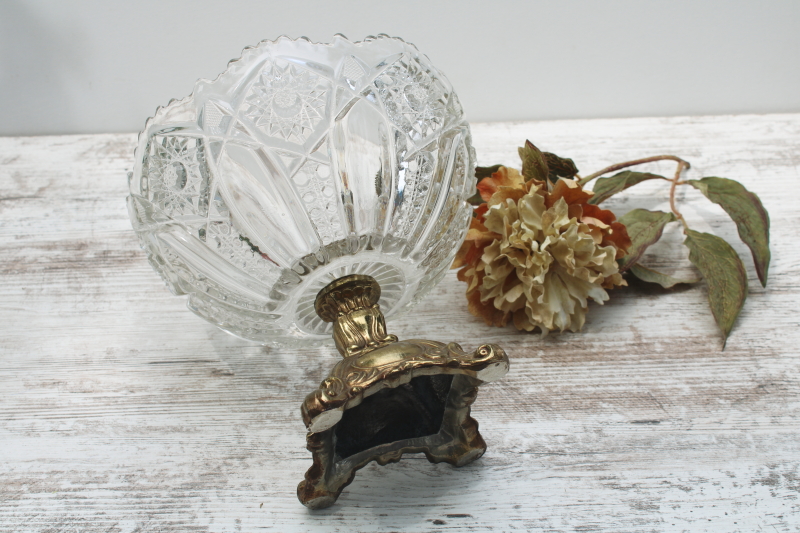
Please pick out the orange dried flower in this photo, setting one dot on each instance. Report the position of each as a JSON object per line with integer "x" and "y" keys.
{"x": 535, "y": 257}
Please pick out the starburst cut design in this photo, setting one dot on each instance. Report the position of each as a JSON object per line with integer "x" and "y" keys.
{"x": 287, "y": 102}
{"x": 176, "y": 177}
{"x": 414, "y": 99}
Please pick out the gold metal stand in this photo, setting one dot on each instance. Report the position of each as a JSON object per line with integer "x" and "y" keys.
{"x": 388, "y": 397}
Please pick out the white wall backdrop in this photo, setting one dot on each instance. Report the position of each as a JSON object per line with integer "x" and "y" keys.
{"x": 86, "y": 66}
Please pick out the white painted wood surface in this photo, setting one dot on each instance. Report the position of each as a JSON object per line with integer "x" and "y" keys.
{"x": 121, "y": 411}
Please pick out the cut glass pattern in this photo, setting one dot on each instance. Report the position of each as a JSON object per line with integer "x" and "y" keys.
{"x": 299, "y": 164}
{"x": 177, "y": 178}
{"x": 317, "y": 189}
{"x": 224, "y": 239}
{"x": 413, "y": 97}
{"x": 288, "y": 102}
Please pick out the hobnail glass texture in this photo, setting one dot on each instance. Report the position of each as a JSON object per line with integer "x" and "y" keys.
{"x": 302, "y": 163}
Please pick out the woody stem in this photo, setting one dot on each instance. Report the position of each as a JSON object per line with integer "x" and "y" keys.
{"x": 619, "y": 166}
{"x": 682, "y": 165}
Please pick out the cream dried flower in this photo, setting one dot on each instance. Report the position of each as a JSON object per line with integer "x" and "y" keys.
{"x": 537, "y": 257}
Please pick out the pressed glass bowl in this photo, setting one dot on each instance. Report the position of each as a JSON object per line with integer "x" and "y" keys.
{"x": 300, "y": 164}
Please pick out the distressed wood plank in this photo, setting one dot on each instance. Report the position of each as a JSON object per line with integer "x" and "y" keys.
{"x": 123, "y": 412}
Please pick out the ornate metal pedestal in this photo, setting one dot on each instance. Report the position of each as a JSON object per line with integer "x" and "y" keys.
{"x": 388, "y": 397}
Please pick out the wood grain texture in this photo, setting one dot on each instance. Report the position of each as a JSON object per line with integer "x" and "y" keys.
{"x": 121, "y": 411}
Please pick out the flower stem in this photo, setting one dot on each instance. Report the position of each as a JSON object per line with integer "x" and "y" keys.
{"x": 682, "y": 165}
{"x": 619, "y": 166}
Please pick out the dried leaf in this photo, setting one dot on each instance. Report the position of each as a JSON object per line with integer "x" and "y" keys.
{"x": 724, "y": 273}
{"x": 485, "y": 172}
{"x": 559, "y": 167}
{"x": 480, "y": 173}
{"x": 605, "y": 188}
{"x": 746, "y": 210}
{"x": 534, "y": 165}
{"x": 644, "y": 228}
{"x": 653, "y": 276}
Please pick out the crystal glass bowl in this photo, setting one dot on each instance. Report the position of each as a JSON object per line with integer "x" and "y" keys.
{"x": 300, "y": 164}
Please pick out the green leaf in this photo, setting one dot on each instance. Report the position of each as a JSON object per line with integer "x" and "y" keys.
{"x": 534, "y": 165}
{"x": 724, "y": 273}
{"x": 485, "y": 172}
{"x": 559, "y": 167}
{"x": 605, "y": 188}
{"x": 644, "y": 228}
{"x": 652, "y": 276}
{"x": 746, "y": 210}
{"x": 476, "y": 199}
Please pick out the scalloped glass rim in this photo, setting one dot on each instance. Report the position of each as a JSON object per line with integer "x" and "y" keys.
{"x": 300, "y": 163}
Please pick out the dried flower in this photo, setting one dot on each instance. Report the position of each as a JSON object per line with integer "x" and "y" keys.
{"x": 536, "y": 256}
{"x": 539, "y": 248}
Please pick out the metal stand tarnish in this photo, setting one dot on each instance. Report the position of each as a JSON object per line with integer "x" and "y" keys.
{"x": 388, "y": 397}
